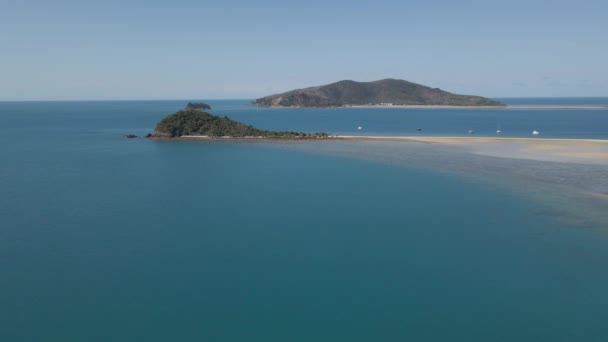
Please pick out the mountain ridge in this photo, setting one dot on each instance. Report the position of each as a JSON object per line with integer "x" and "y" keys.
{"x": 387, "y": 91}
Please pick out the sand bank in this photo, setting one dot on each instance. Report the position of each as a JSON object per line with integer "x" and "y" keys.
{"x": 594, "y": 151}
{"x": 506, "y": 107}
{"x": 562, "y": 150}
{"x": 471, "y": 140}
{"x": 424, "y": 107}
{"x": 558, "y": 107}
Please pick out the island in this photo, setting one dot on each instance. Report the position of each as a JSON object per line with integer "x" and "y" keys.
{"x": 388, "y": 92}
{"x": 197, "y": 124}
{"x": 198, "y": 105}
{"x": 189, "y": 123}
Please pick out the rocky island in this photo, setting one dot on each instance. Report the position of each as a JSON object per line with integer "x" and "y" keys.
{"x": 198, "y": 105}
{"x": 197, "y": 123}
{"x": 387, "y": 92}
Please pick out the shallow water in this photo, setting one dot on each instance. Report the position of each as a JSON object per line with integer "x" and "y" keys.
{"x": 573, "y": 192}
{"x": 106, "y": 238}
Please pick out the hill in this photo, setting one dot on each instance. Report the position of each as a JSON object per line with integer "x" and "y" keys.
{"x": 196, "y": 122}
{"x": 387, "y": 91}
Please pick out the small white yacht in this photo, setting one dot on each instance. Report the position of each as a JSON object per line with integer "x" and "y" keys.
{"x": 535, "y": 132}
{"x": 498, "y": 131}
{"x": 471, "y": 131}
{"x": 359, "y": 127}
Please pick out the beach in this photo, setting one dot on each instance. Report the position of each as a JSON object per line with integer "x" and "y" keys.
{"x": 421, "y": 106}
{"x": 506, "y": 107}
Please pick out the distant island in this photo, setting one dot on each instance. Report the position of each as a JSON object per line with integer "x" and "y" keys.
{"x": 387, "y": 92}
{"x": 197, "y": 123}
{"x": 198, "y": 105}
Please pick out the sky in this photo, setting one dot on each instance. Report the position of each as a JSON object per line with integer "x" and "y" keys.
{"x": 120, "y": 50}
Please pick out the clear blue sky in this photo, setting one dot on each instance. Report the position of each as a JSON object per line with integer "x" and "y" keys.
{"x": 73, "y": 50}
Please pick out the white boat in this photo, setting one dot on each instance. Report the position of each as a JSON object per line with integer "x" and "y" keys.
{"x": 359, "y": 128}
{"x": 471, "y": 131}
{"x": 498, "y": 131}
{"x": 535, "y": 132}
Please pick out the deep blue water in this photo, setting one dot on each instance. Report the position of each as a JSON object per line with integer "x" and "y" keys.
{"x": 109, "y": 239}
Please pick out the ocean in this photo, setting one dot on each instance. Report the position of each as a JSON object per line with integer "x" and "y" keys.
{"x": 105, "y": 238}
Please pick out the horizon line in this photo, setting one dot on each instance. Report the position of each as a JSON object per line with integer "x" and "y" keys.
{"x": 249, "y": 99}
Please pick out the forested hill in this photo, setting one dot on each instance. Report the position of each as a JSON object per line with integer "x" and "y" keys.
{"x": 191, "y": 122}
{"x": 388, "y": 92}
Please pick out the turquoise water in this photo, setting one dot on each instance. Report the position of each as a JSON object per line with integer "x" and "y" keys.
{"x": 105, "y": 238}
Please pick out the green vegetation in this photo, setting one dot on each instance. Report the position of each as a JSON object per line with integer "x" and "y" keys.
{"x": 196, "y": 122}
{"x": 387, "y": 91}
{"x": 198, "y": 105}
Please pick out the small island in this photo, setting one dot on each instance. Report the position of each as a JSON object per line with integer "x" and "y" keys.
{"x": 196, "y": 123}
{"x": 198, "y": 105}
{"x": 383, "y": 93}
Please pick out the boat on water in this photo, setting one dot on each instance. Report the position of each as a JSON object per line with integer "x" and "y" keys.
{"x": 471, "y": 131}
{"x": 535, "y": 132}
{"x": 498, "y": 131}
{"x": 359, "y": 127}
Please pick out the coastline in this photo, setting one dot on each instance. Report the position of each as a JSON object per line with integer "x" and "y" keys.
{"x": 389, "y": 107}
{"x": 559, "y": 107}
{"x": 423, "y": 107}
{"x": 407, "y": 138}
{"x": 463, "y": 139}
{"x": 505, "y": 107}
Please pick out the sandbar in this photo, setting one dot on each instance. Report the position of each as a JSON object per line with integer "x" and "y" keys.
{"x": 505, "y": 107}
{"x": 593, "y": 151}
